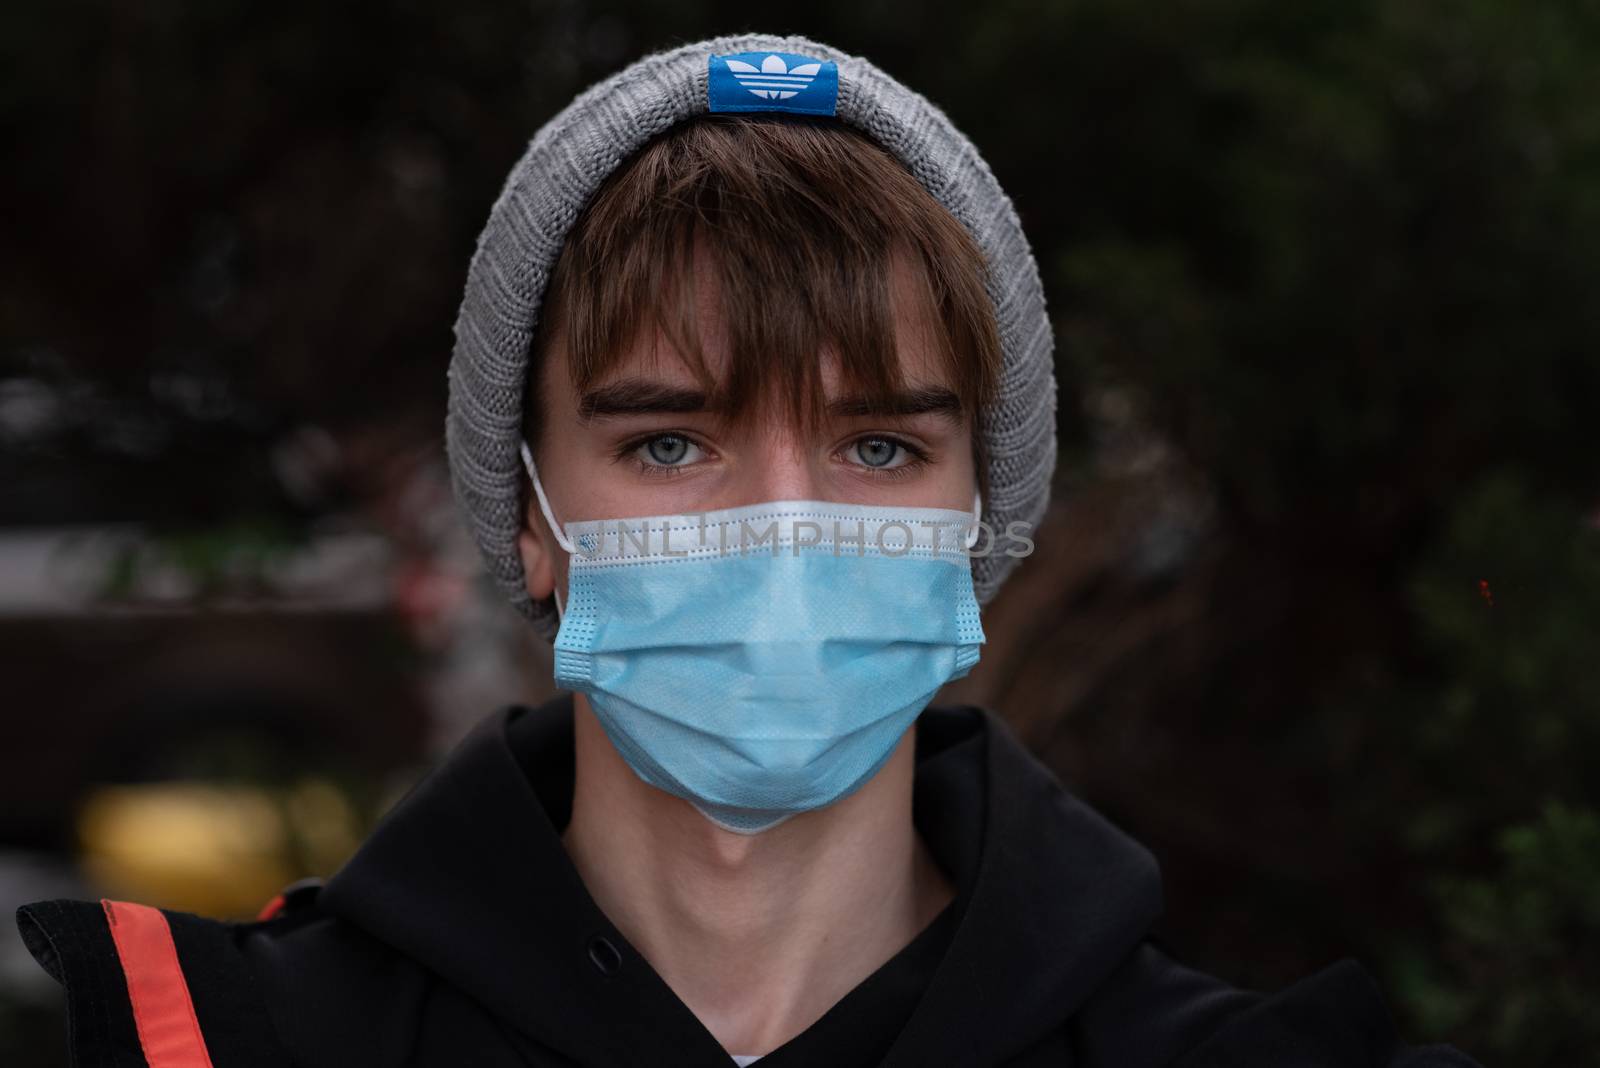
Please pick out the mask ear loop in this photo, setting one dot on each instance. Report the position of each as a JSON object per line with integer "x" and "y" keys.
{"x": 977, "y": 519}
{"x": 544, "y": 506}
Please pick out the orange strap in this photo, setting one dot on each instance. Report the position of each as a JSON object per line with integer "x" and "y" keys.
{"x": 162, "y": 1008}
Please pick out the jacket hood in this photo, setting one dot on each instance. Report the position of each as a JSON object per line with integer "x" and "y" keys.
{"x": 467, "y": 876}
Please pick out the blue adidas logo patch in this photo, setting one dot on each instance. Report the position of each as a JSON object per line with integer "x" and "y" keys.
{"x": 772, "y": 81}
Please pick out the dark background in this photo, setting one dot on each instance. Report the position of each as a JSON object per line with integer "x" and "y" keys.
{"x": 1314, "y": 615}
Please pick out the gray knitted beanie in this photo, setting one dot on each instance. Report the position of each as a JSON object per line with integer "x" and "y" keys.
{"x": 572, "y": 154}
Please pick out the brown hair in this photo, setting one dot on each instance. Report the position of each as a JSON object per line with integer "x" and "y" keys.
{"x": 801, "y": 216}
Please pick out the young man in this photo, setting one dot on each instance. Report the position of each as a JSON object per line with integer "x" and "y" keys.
{"x": 750, "y": 346}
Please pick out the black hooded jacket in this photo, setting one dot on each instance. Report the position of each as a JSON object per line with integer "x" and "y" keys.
{"x": 461, "y": 935}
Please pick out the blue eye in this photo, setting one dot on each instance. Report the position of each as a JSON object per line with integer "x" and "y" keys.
{"x": 667, "y": 450}
{"x": 878, "y": 452}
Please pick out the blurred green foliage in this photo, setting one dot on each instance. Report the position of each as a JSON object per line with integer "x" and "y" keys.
{"x": 1506, "y": 604}
{"x": 196, "y": 564}
{"x": 1523, "y": 971}
{"x": 1348, "y": 272}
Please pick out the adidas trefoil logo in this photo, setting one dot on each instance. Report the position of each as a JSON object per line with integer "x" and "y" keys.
{"x": 774, "y": 79}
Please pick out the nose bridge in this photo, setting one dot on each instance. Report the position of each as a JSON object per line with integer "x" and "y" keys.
{"x": 781, "y": 465}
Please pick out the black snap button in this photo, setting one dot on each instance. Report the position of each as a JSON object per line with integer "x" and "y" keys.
{"x": 604, "y": 955}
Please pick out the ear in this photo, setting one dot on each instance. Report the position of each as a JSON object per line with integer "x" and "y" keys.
{"x": 535, "y": 545}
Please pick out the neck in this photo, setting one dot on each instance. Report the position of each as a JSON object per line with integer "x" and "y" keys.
{"x": 759, "y": 935}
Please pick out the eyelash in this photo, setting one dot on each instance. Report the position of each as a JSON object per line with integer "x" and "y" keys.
{"x": 629, "y": 448}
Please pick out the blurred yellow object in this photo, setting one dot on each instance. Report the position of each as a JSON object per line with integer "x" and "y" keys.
{"x": 215, "y": 849}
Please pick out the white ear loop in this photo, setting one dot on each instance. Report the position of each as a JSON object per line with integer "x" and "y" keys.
{"x": 977, "y": 519}
{"x": 544, "y": 506}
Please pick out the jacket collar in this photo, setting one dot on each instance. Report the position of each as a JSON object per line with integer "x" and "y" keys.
{"x": 467, "y": 876}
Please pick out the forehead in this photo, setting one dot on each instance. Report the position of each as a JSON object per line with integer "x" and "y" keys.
{"x": 917, "y": 357}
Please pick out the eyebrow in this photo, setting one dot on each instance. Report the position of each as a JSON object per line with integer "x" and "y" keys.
{"x": 639, "y": 396}
{"x": 927, "y": 400}
{"x": 642, "y": 396}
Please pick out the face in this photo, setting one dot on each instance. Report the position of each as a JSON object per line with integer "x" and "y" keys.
{"x": 643, "y": 442}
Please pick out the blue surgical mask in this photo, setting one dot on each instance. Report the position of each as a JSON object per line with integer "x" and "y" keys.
{"x": 765, "y": 660}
